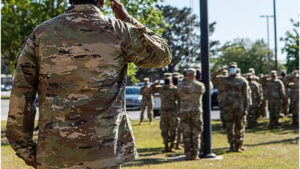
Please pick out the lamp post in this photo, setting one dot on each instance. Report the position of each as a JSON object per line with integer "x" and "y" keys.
{"x": 275, "y": 34}
{"x": 268, "y": 39}
{"x": 206, "y": 151}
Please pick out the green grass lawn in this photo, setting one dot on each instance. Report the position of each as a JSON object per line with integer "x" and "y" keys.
{"x": 270, "y": 149}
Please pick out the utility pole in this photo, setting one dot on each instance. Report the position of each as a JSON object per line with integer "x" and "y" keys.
{"x": 206, "y": 151}
{"x": 268, "y": 39}
{"x": 275, "y": 35}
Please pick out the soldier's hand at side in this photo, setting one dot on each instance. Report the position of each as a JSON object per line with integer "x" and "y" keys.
{"x": 31, "y": 161}
{"x": 119, "y": 9}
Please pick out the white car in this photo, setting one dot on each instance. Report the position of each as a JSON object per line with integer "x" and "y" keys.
{"x": 133, "y": 97}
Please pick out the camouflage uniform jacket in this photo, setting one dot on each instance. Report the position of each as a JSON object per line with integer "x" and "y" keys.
{"x": 274, "y": 89}
{"x": 169, "y": 97}
{"x": 191, "y": 92}
{"x": 147, "y": 94}
{"x": 293, "y": 80}
{"x": 237, "y": 91}
{"x": 256, "y": 92}
{"x": 77, "y": 62}
{"x": 221, "y": 90}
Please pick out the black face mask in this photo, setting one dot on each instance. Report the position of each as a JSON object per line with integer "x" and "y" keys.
{"x": 167, "y": 82}
{"x": 198, "y": 75}
{"x": 175, "y": 81}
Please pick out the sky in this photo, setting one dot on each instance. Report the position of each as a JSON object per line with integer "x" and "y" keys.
{"x": 241, "y": 18}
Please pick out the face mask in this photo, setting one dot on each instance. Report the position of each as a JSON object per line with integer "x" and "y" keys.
{"x": 232, "y": 70}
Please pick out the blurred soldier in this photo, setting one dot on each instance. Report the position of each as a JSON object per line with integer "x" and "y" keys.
{"x": 168, "y": 112}
{"x": 176, "y": 82}
{"x": 256, "y": 97}
{"x": 294, "y": 80}
{"x": 236, "y": 105}
{"x": 191, "y": 92}
{"x": 78, "y": 63}
{"x": 222, "y": 97}
{"x": 285, "y": 102}
{"x": 274, "y": 94}
{"x": 252, "y": 72}
{"x": 262, "y": 111}
{"x": 147, "y": 101}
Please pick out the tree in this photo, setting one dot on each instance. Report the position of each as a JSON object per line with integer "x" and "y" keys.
{"x": 291, "y": 47}
{"x": 247, "y": 54}
{"x": 20, "y": 17}
{"x": 182, "y": 32}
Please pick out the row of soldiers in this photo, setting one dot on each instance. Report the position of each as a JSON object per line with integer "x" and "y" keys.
{"x": 241, "y": 98}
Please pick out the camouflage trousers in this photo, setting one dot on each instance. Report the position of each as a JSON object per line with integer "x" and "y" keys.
{"x": 262, "y": 110}
{"x": 149, "y": 106}
{"x": 168, "y": 125}
{"x": 295, "y": 109}
{"x": 285, "y": 106}
{"x": 274, "y": 110}
{"x": 235, "y": 125}
{"x": 221, "y": 107}
{"x": 192, "y": 126}
{"x": 179, "y": 132}
{"x": 114, "y": 167}
{"x": 253, "y": 115}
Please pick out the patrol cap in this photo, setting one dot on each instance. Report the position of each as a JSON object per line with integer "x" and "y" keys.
{"x": 191, "y": 72}
{"x": 273, "y": 72}
{"x": 251, "y": 70}
{"x": 167, "y": 75}
{"x": 232, "y": 64}
{"x": 146, "y": 79}
{"x": 176, "y": 74}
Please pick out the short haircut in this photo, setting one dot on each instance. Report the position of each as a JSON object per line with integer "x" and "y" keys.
{"x": 78, "y": 2}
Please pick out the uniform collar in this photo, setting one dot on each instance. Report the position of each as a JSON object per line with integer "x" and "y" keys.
{"x": 83, "y": 8}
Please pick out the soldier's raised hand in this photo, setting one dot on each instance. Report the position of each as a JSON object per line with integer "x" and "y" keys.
{"x": 119, "y": 9}
{"x": 31, "y": 161}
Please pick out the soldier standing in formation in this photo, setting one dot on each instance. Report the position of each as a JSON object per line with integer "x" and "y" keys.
{"x": 274, "y": 93}
{"x": 237, "y": 104}
{"x": 168, "y": 112}
{"x": 293, "y": 80}
{"x": 176, "y": 81}
{"x": 191, "y": 92}
{"x": 263, "y": 106}
{"x": 222, "y": 98}
{"x": 256, "y": 97}
{"x": 285, "y": 101}
{"x": 147, "y": 101}
{"x": 78, "y": 63}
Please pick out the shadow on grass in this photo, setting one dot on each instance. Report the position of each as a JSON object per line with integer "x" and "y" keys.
{"x": 286, "y": 141}
{"x": 149, "y": 151}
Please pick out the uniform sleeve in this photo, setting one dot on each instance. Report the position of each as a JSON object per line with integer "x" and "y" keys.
{"x": 247, "y": 95}
{"x": 22, "y": 111}
{"x": 142, "y": 91}
{"x": 178, "y": 99}
{"x": 142, "y": 46}
{"x": 217, "y": 79}
{"x": 282, "y": 90}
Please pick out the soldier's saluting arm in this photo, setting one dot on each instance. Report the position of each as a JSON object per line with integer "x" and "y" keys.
{"x": 140, "y": 45}
{"x": 216, "y": 78}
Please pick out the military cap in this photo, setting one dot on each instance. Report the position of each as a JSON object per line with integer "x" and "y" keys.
{"x": 167, "y": 75}
{"x": 176, "y": 74}
{"x": 146, "y": 79}
{"x": 273, "y": 72}
{"x": 191, "y": 71}
{"x": 232, "y": 64}
{"x": 251, "y": 70}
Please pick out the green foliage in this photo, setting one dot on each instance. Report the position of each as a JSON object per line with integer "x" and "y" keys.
{"x": 291, "y": 47}
{"x": 247, "y": 54}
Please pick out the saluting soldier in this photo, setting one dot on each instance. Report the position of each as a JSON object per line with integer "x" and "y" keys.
{"x": 77, "y": 63}
{"x": 147, "y": 101}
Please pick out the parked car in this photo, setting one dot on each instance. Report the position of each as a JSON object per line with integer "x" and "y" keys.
{"x": 214, "y": 98}
{"x": 133, "y": 97}
{"x": 6, "y": 87}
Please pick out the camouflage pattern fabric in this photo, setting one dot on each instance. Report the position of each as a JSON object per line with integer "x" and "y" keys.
{"x": 191, "y": 92}
{"x": 294, "y": 80}
{"x": 77, "y": 62}
{"x": 147, "y": 102}
{"x": 168, "y": 111}
{"x": 274, "y": 93}
{"x": 256, "y": 97}
{"x": 236, "y": 103}
{"x": 221, "y": 100}
{"x": 285, "y": 101}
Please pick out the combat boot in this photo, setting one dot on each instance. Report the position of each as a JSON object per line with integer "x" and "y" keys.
{"x": 172, "y": 147}
{"x": 239, "y": 147}
{"x": 232, "y": 148}
{"x": 141, "y": 123}
{"x": 195, "y": 155}
{"x": 178, "y": 146}
{"x": 188, "y": 156}
{"x": 166, "y": 148}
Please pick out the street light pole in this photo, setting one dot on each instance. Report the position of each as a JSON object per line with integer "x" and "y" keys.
{"x": 206, "y": 151}
{"x": 275, "y": 35}
{"x": 268, "y": 39}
